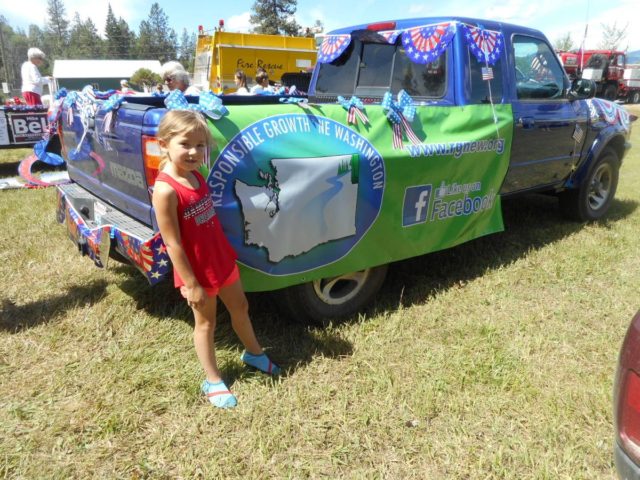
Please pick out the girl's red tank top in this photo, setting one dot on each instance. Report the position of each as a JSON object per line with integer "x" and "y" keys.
{"x": 210, "y": 254}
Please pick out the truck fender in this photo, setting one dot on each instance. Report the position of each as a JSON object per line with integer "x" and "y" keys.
{"x": 611, "y": 136}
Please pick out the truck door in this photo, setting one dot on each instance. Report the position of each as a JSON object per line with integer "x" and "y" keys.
{"x": 546, "y": 139}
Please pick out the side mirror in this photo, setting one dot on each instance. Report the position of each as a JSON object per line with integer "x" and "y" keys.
{"x": 581, "y": 89}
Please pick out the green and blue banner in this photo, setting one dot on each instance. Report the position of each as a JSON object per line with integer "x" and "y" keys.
{"x": 308, "y": 191}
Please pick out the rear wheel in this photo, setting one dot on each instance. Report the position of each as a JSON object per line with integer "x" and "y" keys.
{"x": 592, "y": 199}
{"x": 333, "y": 298}
{"x": 634, "y": 97}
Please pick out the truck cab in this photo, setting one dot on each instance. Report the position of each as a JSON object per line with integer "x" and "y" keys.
{"x": 529, "y": 76}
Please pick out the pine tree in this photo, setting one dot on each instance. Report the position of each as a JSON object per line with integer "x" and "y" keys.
{"x": 112, "y": 35}
{"x": 119, "y": 38}
{"x": 157, "y": 40}
{"x": 56, "y": 29}
{"x": 84, "y": 41}
{"x": 187, "y": 50}
{"x": 275, "y": 17}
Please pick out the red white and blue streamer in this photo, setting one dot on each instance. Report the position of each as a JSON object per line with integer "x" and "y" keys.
{"x": 486, "y": 45}
{"x": 400, "y": 114}
{"x": 332, "y": 47}
{"x": 426, "y": 43}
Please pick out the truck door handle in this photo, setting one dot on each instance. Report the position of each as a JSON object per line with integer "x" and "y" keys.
{"x": 526, "y": 122}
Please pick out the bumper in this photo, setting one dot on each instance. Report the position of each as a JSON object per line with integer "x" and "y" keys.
{"x": 96, "y": 229}
{"x": 627, "y": 468}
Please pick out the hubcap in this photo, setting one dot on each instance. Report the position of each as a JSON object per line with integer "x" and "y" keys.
{"x": 600, "y": 187}
{"x": 338, "y": 290}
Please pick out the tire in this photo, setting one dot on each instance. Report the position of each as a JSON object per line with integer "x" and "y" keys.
{"x": 610, "y": 93}
{"x": 592, "y": 199}
{"x": 634, "y": 97}
{"x": 338, "y": 297}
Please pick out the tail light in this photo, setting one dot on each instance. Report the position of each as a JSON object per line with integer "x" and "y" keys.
{"x": 381, "y": 26}
{"x": 151, "y": 156}
{"x": 629, "y": 414}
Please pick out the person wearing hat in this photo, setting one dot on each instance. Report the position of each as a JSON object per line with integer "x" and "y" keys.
{"x": 32, "y": 81}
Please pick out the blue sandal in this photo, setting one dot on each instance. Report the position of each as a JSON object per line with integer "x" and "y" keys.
{"x": 219, "y": 394}
{"x": 261, "y": 362}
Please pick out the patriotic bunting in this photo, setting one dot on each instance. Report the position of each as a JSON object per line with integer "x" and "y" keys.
{"x": 486, "y": 45}
{"x": 426, "y": 43}
{"x": 609, "y": 112}
{"x": 391, "y": 35}
{"x": 332, "y": 47}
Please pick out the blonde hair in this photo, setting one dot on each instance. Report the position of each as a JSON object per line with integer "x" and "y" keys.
{"x": 176, "y": 122}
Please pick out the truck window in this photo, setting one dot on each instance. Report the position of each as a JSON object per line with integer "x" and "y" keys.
{"x": 479, "y": 87}
{"x": 371, "y": 69}
{"x": 538, "y": 72}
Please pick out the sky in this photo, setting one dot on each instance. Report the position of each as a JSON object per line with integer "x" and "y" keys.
{"x": 555, "y": 18}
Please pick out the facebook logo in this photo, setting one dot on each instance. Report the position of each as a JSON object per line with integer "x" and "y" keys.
{"x": 416, "y": 205}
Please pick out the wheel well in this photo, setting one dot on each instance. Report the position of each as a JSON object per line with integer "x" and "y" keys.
{"x": 617, "y": 144}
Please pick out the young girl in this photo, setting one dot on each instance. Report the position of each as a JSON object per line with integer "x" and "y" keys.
{"x": 203, "y": 260}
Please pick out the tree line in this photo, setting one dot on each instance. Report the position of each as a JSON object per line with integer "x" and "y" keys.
{"x": 78, "y": 38}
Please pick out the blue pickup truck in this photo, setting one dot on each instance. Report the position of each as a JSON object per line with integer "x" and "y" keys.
{"x": 410, "y": 135}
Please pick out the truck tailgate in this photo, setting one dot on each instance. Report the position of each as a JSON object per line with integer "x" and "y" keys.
{"x": 110, "y": 164}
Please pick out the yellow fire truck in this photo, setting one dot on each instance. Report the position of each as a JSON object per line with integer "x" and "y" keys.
{"x": 218, "y": 56}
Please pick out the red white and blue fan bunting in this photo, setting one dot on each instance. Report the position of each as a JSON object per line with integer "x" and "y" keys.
{"x": 391, "y": 35}
{"x": 426, "y": 43}
{"x": 486, "y": 45}
{"x": 332, "y": 47}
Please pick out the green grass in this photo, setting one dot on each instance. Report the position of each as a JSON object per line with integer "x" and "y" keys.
{"x": 494, "y": 359}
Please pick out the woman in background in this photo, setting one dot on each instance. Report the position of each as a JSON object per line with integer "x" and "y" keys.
{"x": 32, "y": 81}
{"x": 176, "y": 77}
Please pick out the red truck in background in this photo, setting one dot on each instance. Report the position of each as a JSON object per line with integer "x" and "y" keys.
{"x": 609, "y": 69}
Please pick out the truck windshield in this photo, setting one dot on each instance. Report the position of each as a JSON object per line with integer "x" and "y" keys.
{"x": 371, "y": 69}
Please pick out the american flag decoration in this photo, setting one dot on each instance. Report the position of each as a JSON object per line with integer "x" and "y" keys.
{"x": 487, "y": 73}
{"x": 426, "y": 43}
{"x": 608, "y": 111}
{"x": 391, "y": 35}
{"x": 150, "y": 256}
{"x": 400, "y": 114}
{"x": 332, "y": 47}
{"x": 578, "y": 134}
{"x": 486, "y": 45}
{"x": 355, "y": 110}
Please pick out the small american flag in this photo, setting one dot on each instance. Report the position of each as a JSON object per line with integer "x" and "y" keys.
{"x": 578, "y": 134}
{"x": 487, "y": 73}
